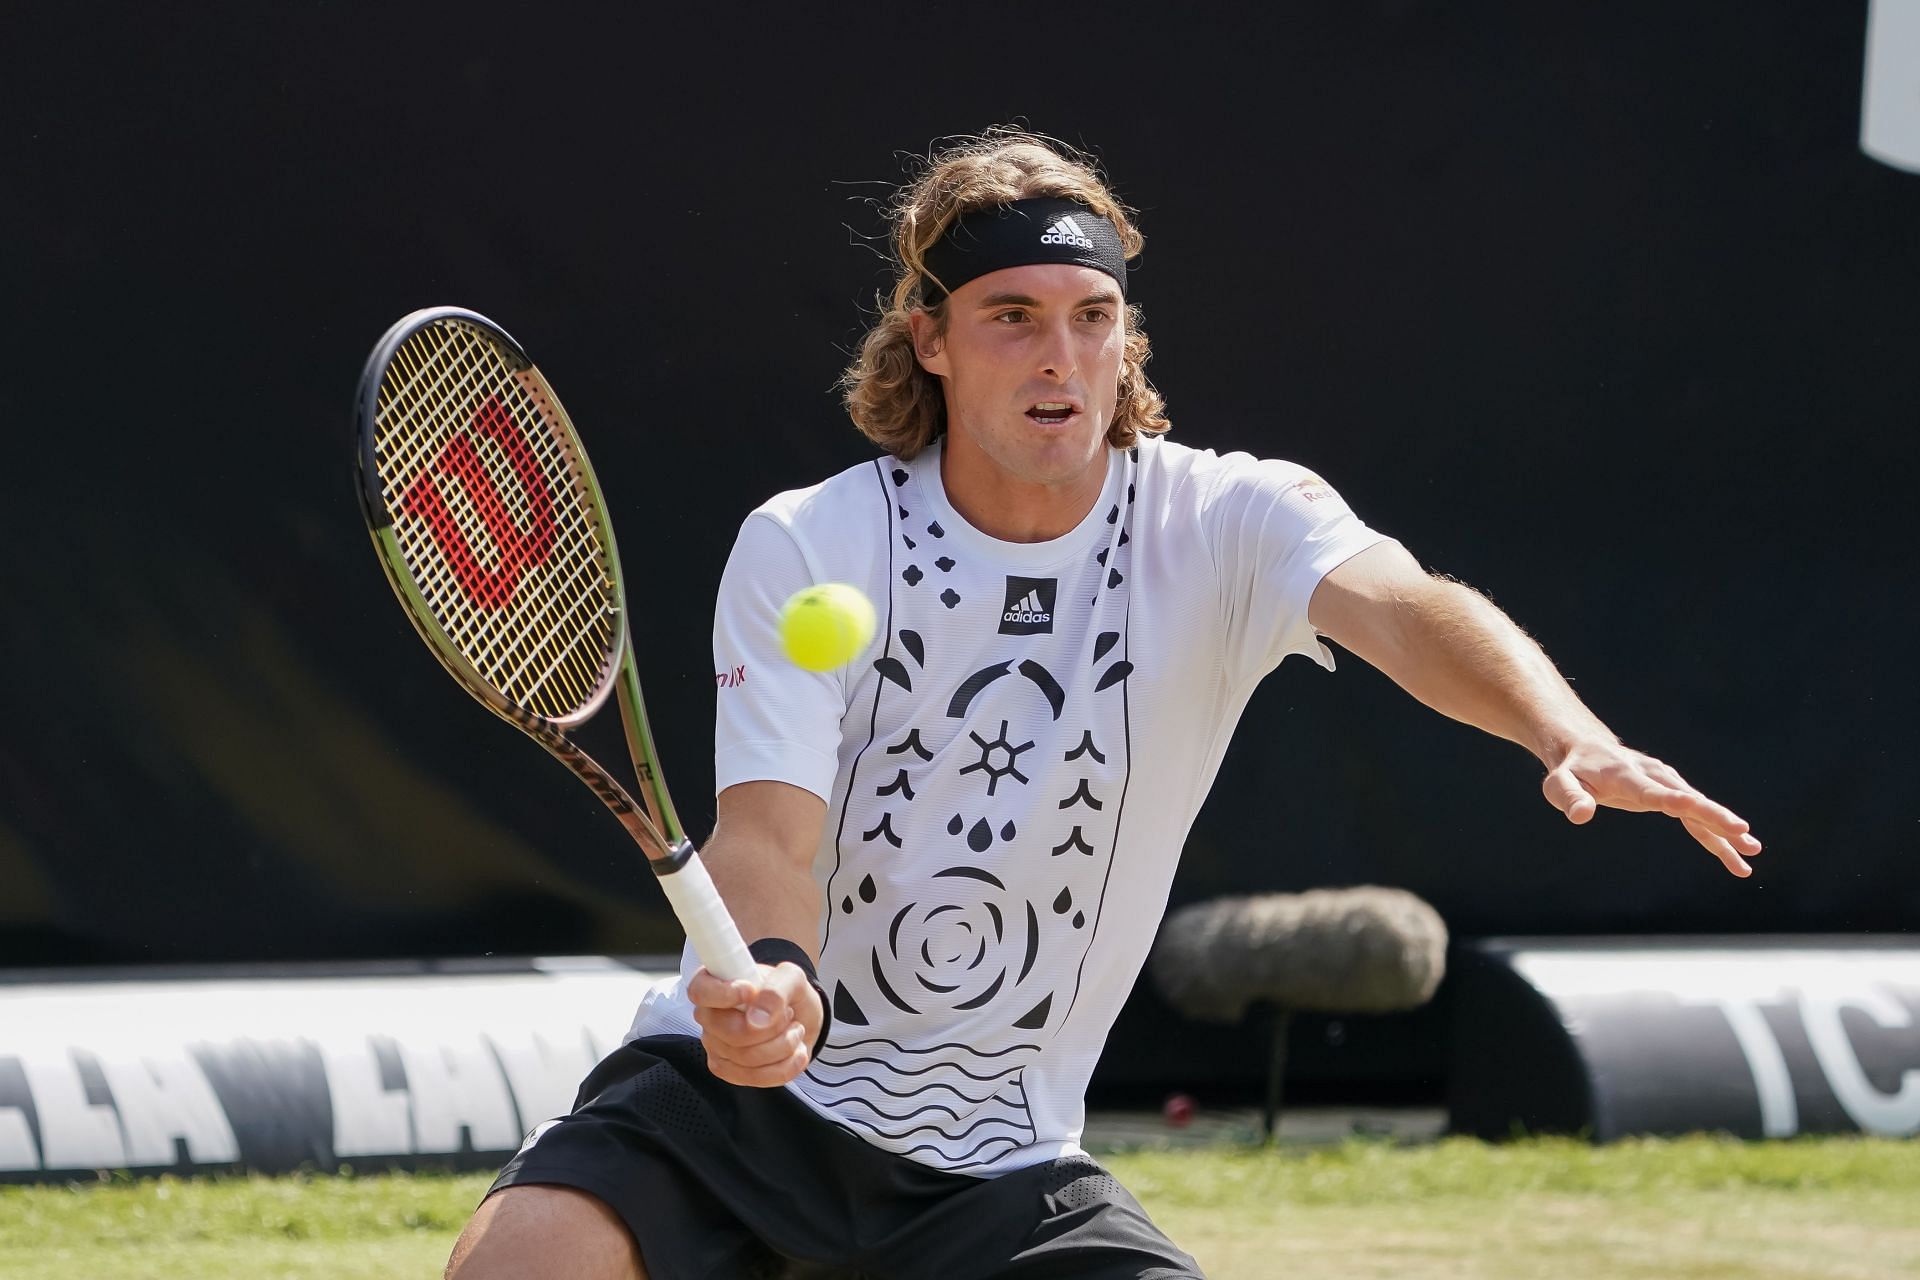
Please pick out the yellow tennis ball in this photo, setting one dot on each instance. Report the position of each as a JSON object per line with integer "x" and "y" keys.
{"x": 826, "y": 626}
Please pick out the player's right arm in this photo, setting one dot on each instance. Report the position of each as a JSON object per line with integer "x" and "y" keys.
{"x": 776, "y": 752}
{"x": 760, "y": 855}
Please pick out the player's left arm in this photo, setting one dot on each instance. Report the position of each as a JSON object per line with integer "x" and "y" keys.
{"x": 1451, "y": 648}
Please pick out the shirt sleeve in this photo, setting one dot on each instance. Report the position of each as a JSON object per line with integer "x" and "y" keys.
{"x": 1276, "y": 530}
{"x": 773, "y": 721}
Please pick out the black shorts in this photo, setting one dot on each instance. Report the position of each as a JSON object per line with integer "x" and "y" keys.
{"x": 719, "y": 1182}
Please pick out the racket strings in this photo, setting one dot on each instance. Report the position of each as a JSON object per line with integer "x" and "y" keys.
{"x": 493, "y": 521}
{"x": 472, "y": 606}
{"x": 503, "y": 643}
{"x": 522, "y": 650}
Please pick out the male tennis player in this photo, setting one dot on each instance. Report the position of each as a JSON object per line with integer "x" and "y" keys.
{"x": 957, "y": 849}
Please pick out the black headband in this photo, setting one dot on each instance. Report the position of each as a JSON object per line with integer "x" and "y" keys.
{"x": 1021, "y": 234}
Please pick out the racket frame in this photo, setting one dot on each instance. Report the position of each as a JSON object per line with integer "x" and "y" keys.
{"x": 652, "y": 821}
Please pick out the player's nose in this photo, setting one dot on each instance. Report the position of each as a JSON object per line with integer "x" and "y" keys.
{"x": 1055, "y": 354}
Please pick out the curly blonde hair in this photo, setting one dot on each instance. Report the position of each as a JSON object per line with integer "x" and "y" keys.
{"x": 899, "y": 405}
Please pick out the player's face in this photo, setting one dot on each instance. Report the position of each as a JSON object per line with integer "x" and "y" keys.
{"x": 1031, "y": 366}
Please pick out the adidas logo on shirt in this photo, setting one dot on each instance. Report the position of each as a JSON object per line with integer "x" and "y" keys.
{"x": 1029, "y": 607}
{"x": 1028, "y": 610}
{"x": 1066, "y": 231}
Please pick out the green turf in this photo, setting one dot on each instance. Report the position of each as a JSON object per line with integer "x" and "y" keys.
{"x": 1848, "y": 1209}
{"x": 1696, "y": 1208}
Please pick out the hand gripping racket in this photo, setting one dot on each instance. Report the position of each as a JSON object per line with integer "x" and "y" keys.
{"x": 494, "y": 535}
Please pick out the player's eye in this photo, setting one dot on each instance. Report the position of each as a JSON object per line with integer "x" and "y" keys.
{"x": 1096, "y": 315}
{"x": 1010, "y": 317}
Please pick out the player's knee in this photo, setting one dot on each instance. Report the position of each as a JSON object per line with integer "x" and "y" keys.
{"x": 534, "y": 1231}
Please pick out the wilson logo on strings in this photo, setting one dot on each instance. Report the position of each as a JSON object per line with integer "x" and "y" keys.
{"x": 518, "y": 550}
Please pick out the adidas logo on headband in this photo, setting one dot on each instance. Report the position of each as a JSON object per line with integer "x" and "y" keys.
{"x": 1066, "y": 231}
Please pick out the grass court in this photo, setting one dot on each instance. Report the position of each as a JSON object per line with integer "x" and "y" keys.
{"x": 1542, "y": 1209}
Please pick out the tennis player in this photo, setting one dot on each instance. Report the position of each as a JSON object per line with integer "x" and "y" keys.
{"x": 956, "y": 850}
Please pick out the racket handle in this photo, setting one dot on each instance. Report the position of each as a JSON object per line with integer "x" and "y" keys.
{"x": 711, "y": 930}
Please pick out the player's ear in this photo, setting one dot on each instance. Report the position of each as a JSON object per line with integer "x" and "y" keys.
{"x": 929, "y": 344}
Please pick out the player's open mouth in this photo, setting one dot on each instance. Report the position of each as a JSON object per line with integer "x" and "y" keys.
{"x": 1051, "y": 413}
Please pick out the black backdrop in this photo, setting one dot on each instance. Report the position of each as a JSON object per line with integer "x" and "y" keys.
{"x": 1598, "y": 308}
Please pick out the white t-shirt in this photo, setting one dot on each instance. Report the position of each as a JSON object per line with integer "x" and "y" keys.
{"x": 1011, "y": 768}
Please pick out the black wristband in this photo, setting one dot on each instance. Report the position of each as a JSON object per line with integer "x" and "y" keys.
{"x": 775, "y": 951}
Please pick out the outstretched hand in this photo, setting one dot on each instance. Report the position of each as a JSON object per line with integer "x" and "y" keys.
{"x": 757, "y": 1032}
{"x": 1606, "y": 773}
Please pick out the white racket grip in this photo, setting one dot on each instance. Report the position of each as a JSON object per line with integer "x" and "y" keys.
{"x": 715, "y": 937}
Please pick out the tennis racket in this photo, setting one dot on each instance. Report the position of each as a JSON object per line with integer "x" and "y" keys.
{"x": 493, "y": 533}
